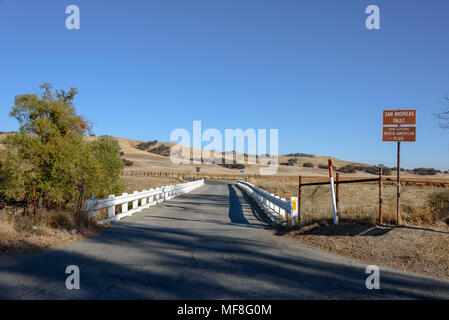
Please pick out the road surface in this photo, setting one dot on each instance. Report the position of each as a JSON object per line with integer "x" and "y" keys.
{"x": 209, "y": 244}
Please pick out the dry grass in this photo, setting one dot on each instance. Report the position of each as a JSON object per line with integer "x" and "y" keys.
{"x": 413, "y": 249}
{"x": 420, "y": 245}
{"x": 21, "y": 232}
{"x": 12, "y": 240}
{"x": 133, "y": 183}
{"x": 151, "y": 162}
{"x": 358, "y": 202}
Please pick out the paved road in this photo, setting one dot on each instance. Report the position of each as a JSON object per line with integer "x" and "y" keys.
{"x": 209, "y": 244}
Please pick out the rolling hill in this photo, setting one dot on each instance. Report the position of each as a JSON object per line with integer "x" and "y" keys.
{"x": 154, "y": 157}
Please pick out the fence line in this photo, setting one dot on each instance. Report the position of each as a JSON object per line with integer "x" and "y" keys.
{"x": 381, "y": 181}
{"x": 439, "y": 182}
{"x": 168, "y": 174}
{"x": 283, "y": 212}
{"x": 140, "y": 200}
{"x": 337, "y": 183}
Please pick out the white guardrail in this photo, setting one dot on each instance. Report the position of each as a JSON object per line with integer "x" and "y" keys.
{"x": 280, "y": 210}
{"x": 140, "y": 200}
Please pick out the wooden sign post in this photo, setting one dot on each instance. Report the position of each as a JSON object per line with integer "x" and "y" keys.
{"x": 399, "y": 133}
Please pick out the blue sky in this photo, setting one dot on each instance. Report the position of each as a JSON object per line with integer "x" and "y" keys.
{"x": 308, "y": 68}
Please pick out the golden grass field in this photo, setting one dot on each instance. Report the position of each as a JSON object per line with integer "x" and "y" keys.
{"x": 358, "y": 202}
{"x": 420, "y": 245}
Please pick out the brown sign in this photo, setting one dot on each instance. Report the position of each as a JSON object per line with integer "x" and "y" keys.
{"x": 400, "y": 134}
{"x": 399, "y": 117}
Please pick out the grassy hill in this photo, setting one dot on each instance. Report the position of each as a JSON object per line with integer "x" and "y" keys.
{"x": 150, "y": 160}
{"x": 154, "y": 156}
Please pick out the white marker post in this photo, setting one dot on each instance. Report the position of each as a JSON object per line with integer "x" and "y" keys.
{"x": 334, "y": 202}
{"x": 294, "y": 211}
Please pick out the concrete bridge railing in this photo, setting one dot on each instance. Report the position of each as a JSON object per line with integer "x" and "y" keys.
{"x": 281, "y": 211}
{"x": 139, "y": 200}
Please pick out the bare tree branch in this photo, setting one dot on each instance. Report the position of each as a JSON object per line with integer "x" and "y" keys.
{"x": 443, "y": 116}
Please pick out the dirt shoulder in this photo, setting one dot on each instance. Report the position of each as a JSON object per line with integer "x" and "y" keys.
{"x": 39, "y": 237}
{"x": 414, "y": 249}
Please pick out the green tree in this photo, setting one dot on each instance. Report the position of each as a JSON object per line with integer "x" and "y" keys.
{"x": 50, "y": 151}
{"x": 106, "y": 152}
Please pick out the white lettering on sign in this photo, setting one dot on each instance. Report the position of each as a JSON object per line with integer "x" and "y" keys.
{"x": 399, "y": 113}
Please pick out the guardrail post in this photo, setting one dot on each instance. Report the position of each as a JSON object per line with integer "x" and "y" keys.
{"x": 143, "y": 201}
{"x": 135, "y": 202}
{"x": 158, "y": 195}
{"x": 151, "y": 198}
{"x": 282, "y": 211}
{"x": 276, "y": 208}
{"x": 124, "y": 205}
{"x": 164, "y": 193}
{"x": 111, "y": 210}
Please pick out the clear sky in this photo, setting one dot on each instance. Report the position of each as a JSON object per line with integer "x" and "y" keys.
{"x": 309, "y": 68}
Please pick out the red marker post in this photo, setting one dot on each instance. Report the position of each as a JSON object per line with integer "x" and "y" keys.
{"x": 334, "y": 201}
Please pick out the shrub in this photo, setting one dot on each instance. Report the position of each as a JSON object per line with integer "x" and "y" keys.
{"x": 146, "y": 145}
{"x": 290, "y": 162}
{"x": 347, "y": 169}
{"x": 425, "y": 171}
{"x": 161, "y": 150}
{"x": 50, "y": 151}
{"x": 385, "y": 170}
{"x": 106, "y": 178}
{"x": 439, "y": 203}
{"x": 308, "y": 165}
{"x": 232, "y": 165}
{"x": 323, "y": 166}
{"x": 372, "y": 170}
{"x": 375, "y": 170}
{"x": 301, "y": 155}
{"x": 127, "y": 163}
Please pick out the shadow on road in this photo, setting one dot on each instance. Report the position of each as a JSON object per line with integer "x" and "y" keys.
{"x": 141, "y": 258}
{"x": 182, "y": 264}
{"x": 235, "y": 207}
{"x": 256, "y": 211}
{"x": 351, "y": 230}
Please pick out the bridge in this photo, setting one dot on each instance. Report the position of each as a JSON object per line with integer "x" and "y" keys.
{"x": 212, "y": 243}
